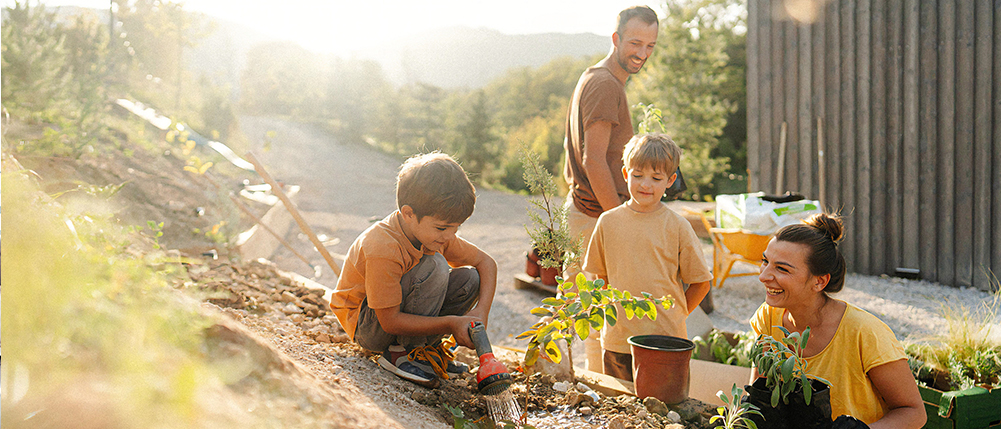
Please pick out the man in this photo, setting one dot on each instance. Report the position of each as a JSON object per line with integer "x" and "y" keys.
{"x": 598, "y": 127}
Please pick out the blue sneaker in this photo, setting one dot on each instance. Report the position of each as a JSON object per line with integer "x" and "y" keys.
{"x": 438, "y": 359}
{"x": 397, "y": 361}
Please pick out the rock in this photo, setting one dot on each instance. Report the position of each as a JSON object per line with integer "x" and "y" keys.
{"x": 654, "y": 405}
{"x": 291, "y": 308}
{"x": 592, "y": 396}
{"x": 581, "y": 387}
{"x": 690, "y": 409}
{"x": 298, "y": 317}
{"x": 617, "y": 422}
{"x": 561, "y": 386}
{"x": 674, "y": 426}
{"x": 642, "y": 414}
{"x": 323, "y": 338}
{"x": 673, "y": 417}
{"x": 340, "y": 338}
{"x": 585, "y": 411}
{"x": 288, "y": 297}
{"x": 419, "y": 396}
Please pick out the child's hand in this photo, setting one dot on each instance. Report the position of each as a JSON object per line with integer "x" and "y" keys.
{"x": 460, "y": 330}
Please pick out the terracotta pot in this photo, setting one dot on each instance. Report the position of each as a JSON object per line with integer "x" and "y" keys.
{"x": 660, "y": 366}
{"x": 548, "y": 275}
{"x": 532, "y": 263}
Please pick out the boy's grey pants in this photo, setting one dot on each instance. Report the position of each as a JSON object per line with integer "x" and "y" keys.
{"x": 431, "y": 288}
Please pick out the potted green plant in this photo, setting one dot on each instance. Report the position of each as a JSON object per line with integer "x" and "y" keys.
{"x": 786, "y": 394}
{"x": 553, "y": 245}
{"x": 959, "y": 373}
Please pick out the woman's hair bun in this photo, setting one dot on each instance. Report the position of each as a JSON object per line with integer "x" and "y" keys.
{"x": 828, "y": 225}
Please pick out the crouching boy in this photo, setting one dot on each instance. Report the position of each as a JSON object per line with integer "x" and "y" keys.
{"x": 643, "y": 246}
{"x": 409, "y": 281}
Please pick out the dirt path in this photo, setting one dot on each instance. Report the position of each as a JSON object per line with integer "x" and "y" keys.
{"x": 345, "y": 187}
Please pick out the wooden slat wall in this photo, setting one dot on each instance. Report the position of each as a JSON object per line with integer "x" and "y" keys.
{"x": 909, "y": 94}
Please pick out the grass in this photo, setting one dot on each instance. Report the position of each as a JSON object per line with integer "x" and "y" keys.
{"x": 969, "y": 352}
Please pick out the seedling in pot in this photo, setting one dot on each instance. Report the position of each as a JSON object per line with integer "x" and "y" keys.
{"x": 783, "y": 365}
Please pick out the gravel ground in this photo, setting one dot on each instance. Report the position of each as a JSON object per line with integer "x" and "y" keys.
{"x": 913, "y": 309}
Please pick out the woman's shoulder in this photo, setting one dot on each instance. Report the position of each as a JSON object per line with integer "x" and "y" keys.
{"x": 860, "y": 320}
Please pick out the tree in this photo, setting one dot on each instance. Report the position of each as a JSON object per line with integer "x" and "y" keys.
{"x": 477, "y": 144}
{"x": 282, "y": 78}
{"x": 683, "y": 78}
{"x": 36, "y": 81}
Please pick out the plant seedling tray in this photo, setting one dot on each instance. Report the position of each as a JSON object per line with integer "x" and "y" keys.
{"x": 524, "y": 281}
{"x": 974, "y": 408}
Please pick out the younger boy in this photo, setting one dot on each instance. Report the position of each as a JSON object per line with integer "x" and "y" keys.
{"x": 642, "y": 246}
{"x": 399, "y": 294}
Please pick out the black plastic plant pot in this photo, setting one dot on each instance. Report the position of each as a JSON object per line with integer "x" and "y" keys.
{"x": 796, "y": 414}
{"x": 761, "y": 397}
{"x": 817, "y": 414}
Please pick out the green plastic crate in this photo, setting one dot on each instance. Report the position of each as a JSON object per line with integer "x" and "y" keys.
{"x": 975, "y": 408}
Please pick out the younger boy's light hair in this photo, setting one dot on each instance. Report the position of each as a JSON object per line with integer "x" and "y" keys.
{"x": 433, "y": 184}
{"x": 653, "y": 150}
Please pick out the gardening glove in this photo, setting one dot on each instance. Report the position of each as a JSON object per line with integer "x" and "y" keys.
{"x": 848, "y": 422}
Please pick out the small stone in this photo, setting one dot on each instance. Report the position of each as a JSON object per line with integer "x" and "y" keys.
{"x": 642, "y": 414}
{"x": 288, "y": 297}
{"x": 592, "y": 396}
{"x": 673, "y": 417}
{"x": 298, "y": 317}
{"x": 654, "y": 405}
{"x": 561, "y": 386}
{"x": 291, "y": 308}
{"x": 617, "y": 422}
{"x": 689, "y": 409}
{"x": 323, "y": 338}
{"x": 581, "y": 387}
{"x": 585, "y": 411}
{"x": 340, "y": 338}
{"x": 419, "y": 395}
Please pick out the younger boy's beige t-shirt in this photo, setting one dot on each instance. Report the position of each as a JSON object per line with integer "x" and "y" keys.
{"x": 375, "y": 264}
{"x": 646, "y": 252}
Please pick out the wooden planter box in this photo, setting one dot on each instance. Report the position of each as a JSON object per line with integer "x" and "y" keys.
{"x": 706, "y": 378}
{"x": 974, "y": 408}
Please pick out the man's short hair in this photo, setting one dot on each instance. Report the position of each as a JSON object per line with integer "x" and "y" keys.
{"x": 433, "y": 184}
{"x": 642, "y": 12}
{"x": 654, "y": 150}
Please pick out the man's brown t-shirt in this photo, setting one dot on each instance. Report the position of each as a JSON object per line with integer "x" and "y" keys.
{"x": 599, "y": 96}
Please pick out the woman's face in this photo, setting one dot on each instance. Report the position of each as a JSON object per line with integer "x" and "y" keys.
{"x": 786, "y": 277}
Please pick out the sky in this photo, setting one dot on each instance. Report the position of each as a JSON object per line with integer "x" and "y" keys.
{"x": 344, "y": 27}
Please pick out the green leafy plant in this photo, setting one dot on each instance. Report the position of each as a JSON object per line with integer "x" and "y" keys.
{"x": 967, "y": 356}
{"x": 783, "y": 365}
{"x": 551, "y": 233}
{"x": 578, "y": 307}
{"x": 723, "y": 352}
{"x": 733, "y": 413}
{"x": 155, "y": 231}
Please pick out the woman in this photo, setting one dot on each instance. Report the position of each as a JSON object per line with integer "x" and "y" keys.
{"x": 849, "y": 347}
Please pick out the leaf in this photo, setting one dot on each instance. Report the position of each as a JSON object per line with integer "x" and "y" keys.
{"x": 807, "y": 389}
{"x": 598, "y": 297}
{"x": 787, "y": 368}
{"x": 597, "y": 318}
{"x": 191, "y": 169}
{"x": 580, "y": 280}
{"x": 599, "y": 283}
{"x": 629, "y": 309}
{"x": 783, "y": 329}
{"x": 552, "y": 301}
{"x": 775, "y": 397}
{"x": 553, "y": 352}
{"x": 585, "y": 299}
{"x": 541, "y": 312}
{"x": 532, "y": 355}
{"x": 205, "y": 167}
{"x": 806, "y": 336}
{"x": 526, "y": 334}
{"x": 611, "y": 315}
{"x": 583, "y": 328}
